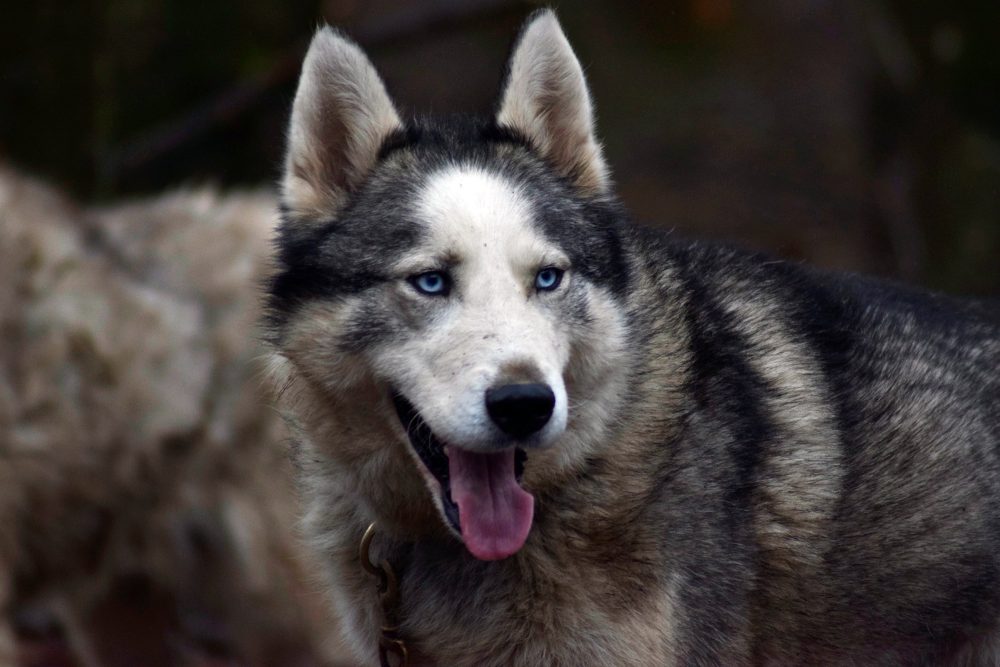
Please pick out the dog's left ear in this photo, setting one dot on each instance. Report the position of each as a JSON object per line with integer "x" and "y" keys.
{"x": 340, "y": 117}
{"x": 545, "y": 98}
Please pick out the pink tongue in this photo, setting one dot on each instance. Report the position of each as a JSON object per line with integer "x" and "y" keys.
{"x": 494, "y": 511}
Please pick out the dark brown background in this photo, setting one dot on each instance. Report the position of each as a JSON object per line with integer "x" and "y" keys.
{"x": 855, "y": 134}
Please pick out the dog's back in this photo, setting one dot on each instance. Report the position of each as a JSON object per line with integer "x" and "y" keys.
{"x": 856, "y": 427}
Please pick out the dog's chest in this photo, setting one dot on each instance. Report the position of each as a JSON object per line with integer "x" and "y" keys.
{"x": 530, "y": 610}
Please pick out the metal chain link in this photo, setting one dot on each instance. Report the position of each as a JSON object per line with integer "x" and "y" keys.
{"x": 390, "y": 644}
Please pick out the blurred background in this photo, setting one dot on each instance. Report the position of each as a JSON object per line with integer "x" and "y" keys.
{"x": 855, "y": 134}
{"x": 146, "y": 509}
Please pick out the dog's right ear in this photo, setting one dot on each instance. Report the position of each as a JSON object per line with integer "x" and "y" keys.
{"x": 340, "y": 118}
{"x": 545, "y": 97}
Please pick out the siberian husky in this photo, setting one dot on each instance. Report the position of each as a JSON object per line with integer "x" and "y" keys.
{"x": 585, "y": 443}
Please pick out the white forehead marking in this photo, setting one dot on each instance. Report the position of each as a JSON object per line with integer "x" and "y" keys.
{"x": 468, "y": 210}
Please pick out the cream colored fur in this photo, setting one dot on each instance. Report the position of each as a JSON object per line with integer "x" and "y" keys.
{"x": 133, "y": 420}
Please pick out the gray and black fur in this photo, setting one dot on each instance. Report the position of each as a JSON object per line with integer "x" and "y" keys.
{"x": 780, "y": 466}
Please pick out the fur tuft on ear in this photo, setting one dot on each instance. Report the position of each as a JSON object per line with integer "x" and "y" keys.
{"x": 340, "y": 117}
{"x": 545, "y": 98}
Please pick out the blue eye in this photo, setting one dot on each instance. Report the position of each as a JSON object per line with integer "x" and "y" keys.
{"x": 548, "y": 279}
{"x": 432, "y": 283}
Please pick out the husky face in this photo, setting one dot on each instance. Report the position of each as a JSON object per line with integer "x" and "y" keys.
{"x": 461, "y": 273}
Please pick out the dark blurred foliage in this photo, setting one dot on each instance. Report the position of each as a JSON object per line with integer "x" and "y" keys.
{"x": 859, "y": 134}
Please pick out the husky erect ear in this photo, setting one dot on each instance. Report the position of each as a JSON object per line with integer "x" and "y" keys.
{"x": 545, "y": 97}
{"x": 340, "y": 117}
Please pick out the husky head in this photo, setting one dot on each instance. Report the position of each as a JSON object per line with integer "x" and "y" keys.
{"x": 446, "y": 303}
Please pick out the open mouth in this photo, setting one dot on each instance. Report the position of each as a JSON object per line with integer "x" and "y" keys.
{"x": 481, "y": 492}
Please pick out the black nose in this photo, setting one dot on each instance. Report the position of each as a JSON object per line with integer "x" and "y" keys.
{"x": 520, "y": 409}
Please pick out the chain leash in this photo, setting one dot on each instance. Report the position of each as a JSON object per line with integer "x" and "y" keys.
{"x": 392, "y": 651}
